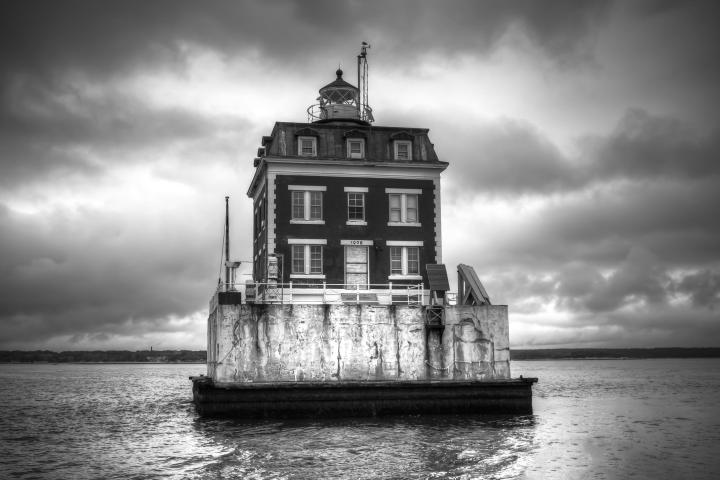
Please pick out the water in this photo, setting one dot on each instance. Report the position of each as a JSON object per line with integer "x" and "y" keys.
{"x": 592, "y": 419}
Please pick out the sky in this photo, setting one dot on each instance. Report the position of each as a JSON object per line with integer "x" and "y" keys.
{"x": 583, "y": 139}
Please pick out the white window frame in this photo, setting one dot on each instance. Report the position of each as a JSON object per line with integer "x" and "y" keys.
{"x": 404, "y": 246}
{"x": 300, "y": 146}
{"x": 396, "y": 149}
{"x": 362, "y": 148}
{"x": 348, "y": 191}
{"x": 356, "y": 221}
{"x": 307, "y": 206}
{"x": 307, "y": 244}
{"x": 403, "y": 194}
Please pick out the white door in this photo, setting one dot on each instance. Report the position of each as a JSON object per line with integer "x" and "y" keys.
{"x": 356, "y": 266}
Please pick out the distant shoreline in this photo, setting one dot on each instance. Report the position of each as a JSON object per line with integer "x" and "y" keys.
{"x": 613, "y": 353}
{"x": 42, "y": 362}
{"x": 104, "y": 356}
{"x": 200, "y": 356}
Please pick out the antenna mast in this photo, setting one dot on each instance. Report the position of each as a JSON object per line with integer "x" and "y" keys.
{"x": 227, "y": 243}
{"x": 364, "y": 110}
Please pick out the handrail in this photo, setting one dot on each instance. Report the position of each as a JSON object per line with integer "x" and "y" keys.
{"x": 318, "y": 112}
{"x": 320, "y": 284}
{"x": 322, "y": 292}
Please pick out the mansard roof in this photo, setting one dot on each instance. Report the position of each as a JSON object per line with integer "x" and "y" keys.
{"x": 332, "y": 136}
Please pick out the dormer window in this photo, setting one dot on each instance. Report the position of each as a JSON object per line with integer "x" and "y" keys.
{"x": 403, "y": 149}
{"x": 307, "y": 146}
{"x": 356, "y": 148}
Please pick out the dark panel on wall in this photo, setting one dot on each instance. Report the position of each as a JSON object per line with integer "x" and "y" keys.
{"x": 438, "y": 277}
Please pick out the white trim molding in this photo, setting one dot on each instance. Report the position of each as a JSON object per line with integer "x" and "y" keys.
{"x": 307, "y": 241}
{"x": 271, "y": 227}
{"x": 438, "y": 220}
{"x": 412, "y": 191}
{"x": 356, "y": 189}
{"x": 404, "y": 243}
{"x": 297, "y": 221}
{"x": 404, "y": 224}
{"x": 405, "y": 277}
{"x": 308, "y": 188}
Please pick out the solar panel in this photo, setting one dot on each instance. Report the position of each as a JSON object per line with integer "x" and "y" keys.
{"x": 437, "y": 276}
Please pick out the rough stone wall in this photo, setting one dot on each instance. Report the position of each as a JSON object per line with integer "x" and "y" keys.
{"x": 475, "y": 342}
{"x": 212, "y": 331}
{"x": 355, "y": 342}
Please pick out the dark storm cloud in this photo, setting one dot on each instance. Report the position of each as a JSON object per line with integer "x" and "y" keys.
{"x": 703, "y": 288}
{"x": 639, "y": 278}
{"x": 46, "y": 131}
{"x": 105, "y": 36}
{"x": 45, "y": 45}
{"x": 120, "y": 276}
{"x": 578, "y": 286}
{"x": 677, "y": 221}
{"x": 646, "y": 147}
{"x": 508, "y": 157}
{"x": 642, "y": 282}
{"x": 511, "y": 157}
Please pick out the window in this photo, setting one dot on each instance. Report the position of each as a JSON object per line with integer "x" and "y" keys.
{"x": 307, "y": 258}
{"x": 355, "y": 148}
{"x": 403, "y": 149}
{"x": 356, "y": 207}
{"x": 404, "y": 262}
{"x": 307, "y": 146}
{"x": 403, "y": 207}
{"x": 306, "y": 204}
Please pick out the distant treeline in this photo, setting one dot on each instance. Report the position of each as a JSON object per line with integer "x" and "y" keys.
{"x": 111, "y": 356}
{"x": 588, "y": 353}
{"x": 200, "y": 356}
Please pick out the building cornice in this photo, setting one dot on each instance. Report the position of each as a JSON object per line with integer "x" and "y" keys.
{"x": 310, "y": 166}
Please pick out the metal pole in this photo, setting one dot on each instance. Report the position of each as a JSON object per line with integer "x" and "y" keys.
{"x": 227, "y": 243}
{"x": 359, "y": 99}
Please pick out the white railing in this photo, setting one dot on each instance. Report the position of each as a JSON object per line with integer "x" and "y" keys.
{"x": 331, "y": 293}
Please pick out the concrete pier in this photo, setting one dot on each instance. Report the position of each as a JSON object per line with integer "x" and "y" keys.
{"x": 275, "y": 343}
{"x": 318, "y": 359}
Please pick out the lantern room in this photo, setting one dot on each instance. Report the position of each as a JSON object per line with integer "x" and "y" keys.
{"x": 338, "y": 100}
{"x": 342, "y": 101}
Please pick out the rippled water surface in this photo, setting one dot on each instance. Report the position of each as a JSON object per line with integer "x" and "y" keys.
{"x": 592, "y": 419}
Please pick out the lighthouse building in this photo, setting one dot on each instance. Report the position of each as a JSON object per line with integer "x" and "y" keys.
{"x": 344, "y": 210}
{"x": 349, "y": 309}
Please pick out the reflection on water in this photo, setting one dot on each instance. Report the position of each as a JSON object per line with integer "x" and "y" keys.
{"x": 592, "y": 419}
{"x": 391, "y": 447}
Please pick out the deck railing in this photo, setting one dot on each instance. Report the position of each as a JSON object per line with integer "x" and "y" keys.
{"x": 331, "y": 293}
